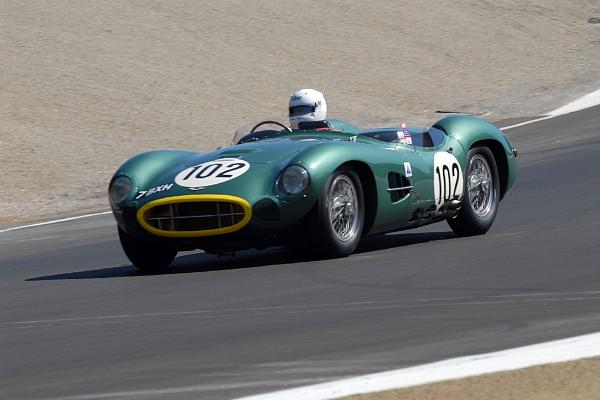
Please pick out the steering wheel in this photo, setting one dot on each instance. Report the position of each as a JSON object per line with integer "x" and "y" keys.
{"x": 270, "y": 122}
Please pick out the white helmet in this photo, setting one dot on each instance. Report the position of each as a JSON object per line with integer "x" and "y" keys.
{"x": 307, "y": 105}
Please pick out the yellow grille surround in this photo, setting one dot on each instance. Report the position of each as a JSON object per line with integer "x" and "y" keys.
{"x": 195, "y": 215}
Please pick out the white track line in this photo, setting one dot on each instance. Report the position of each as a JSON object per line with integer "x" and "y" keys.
{"x": 56, "y": 221}
{"x": 531, "y": 121}
{"x": 168, "y": 392}
{"x": 507, "y": 360}
{"x": 587, "y": 101}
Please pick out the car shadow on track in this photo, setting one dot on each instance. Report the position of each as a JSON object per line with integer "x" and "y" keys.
{"x": 401, "y": 239}
{"x": 202, "y": 262}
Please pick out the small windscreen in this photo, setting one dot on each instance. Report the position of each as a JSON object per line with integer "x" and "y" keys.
{"x": 299, "y": 110}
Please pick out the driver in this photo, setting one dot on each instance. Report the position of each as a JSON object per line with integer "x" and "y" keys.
{"x": 307, "y": 105}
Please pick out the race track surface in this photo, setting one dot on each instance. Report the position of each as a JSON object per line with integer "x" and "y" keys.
{"x": 77, "y": 321}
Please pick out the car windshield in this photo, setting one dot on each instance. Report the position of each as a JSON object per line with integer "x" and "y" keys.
{"x": 386, "y": 131}
{"x": 263, "y": 129}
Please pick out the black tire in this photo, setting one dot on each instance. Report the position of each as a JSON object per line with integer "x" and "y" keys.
{"x": 148, "y": 256}
{"x": 322, "y": 235}
{"x": 476, "y": 219}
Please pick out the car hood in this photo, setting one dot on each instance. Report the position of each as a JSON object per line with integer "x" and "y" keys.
{"x": 266, "y": 151}
{"x": 168, "y": 173}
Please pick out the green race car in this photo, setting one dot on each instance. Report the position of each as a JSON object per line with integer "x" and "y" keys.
{"x": 323, "y": 187}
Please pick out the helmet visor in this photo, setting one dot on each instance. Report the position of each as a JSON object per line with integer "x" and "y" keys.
{"x": 300, "y": 110}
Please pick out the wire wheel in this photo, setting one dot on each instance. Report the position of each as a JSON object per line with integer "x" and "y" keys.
{"x": 480, "y": 185}
{"x": 336, "y": 222}
{"x": 343, "y": 206}
{"x": 480, "y": 202}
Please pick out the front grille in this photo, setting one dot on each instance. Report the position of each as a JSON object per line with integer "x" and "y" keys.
{"x": 198, "y": 216}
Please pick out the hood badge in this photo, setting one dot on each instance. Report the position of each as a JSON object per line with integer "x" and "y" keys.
{"x": 210, "y": 173}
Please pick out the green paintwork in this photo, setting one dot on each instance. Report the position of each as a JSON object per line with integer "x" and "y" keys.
{"x": 471, "y": 130}
{"x": 321, "y": 153}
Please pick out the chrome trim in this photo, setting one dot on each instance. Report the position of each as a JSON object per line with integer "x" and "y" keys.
{"x": 171, "y": 215}
{"x": 480, "y": 186}
{"x": 343, "y": 207}
{"x": 193, "y": 216}
{"x": 400, "y": 188}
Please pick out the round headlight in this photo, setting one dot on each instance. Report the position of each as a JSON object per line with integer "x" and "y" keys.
{"x": 294, "y": 180}
{"x": 120, "y": 188}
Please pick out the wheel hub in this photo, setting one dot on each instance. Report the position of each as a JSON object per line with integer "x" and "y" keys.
{"x": 343, "y": 205}
{"x": 479, "y": 186}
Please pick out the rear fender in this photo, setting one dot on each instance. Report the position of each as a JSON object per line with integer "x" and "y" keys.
{"x": 473, "y": 131}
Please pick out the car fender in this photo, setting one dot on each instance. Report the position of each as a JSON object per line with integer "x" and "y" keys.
{"x": 471, "y": 131}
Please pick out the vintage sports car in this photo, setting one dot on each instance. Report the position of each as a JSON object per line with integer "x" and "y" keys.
{"x": 322, "y": 187}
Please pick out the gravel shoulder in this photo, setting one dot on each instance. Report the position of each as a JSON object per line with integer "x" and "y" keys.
{"x": 84, "y": 85}
{"x": 576, "y": 380}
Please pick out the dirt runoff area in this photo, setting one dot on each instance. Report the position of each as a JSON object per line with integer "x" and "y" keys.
{"x": 576, "y": 380}
{"x": 86, "y": 84}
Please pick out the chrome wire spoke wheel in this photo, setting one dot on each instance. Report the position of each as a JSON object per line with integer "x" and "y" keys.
{"x": 336, "y": 222}
{"x": 343, "y": 208}
{"x": 480, "y": 187}
{"x": 482, "y": 194}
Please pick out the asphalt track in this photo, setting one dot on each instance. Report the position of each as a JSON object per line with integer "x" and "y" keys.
{"x": 78, "y": 322}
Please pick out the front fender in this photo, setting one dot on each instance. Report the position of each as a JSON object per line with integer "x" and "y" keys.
{"x": 144, "y": 167}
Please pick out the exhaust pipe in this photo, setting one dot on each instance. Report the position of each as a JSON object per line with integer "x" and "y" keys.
{"x": 452, "y": 208}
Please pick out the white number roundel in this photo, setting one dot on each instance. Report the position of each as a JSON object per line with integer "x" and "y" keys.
{"x": 447, "y": 178}
{"x": 211, "y": 173}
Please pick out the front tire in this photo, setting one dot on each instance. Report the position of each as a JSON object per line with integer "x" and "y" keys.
{"x": 336, "y": 227}
{"x": 480, "y": 202}
{"x": 145, "y": 255}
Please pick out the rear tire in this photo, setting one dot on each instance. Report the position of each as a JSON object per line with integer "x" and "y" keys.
{"x": 480, "y": 202}
{"x": 148, "y": 256}
{"x": 337, "y": 222}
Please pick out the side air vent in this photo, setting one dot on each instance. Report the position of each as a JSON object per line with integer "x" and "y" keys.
{"x": 398, "y": 186}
